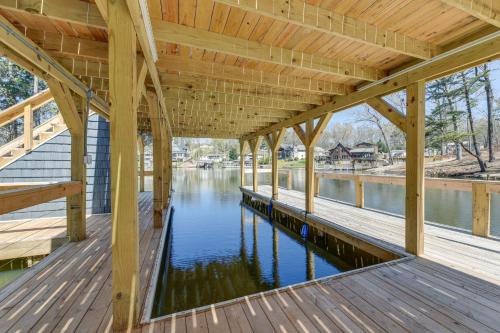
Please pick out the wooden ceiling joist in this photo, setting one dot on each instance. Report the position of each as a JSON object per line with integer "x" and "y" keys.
{"x": 208, "y": 107}
{"x": 206, "y": 40}
{"x": 235, "y": 99}
{"x": 475, "y": 53}
{"x": 201, "y": 83}
{"x": 485, "y": 10}
{"x": 317, "y": 19}
{"x": 248, "y": 75}
{"x": 36, "y": 61}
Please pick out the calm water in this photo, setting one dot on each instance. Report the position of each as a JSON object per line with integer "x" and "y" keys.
{"x": 220, "y": 250}
{"x": 452, "y": 208}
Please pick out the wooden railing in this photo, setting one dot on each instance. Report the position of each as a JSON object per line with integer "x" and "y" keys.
{"x": 14, "y": 196}
{"x": 481, "y": 192}
{"x": 25, "y": 109}
{"x": 288, "y": 173}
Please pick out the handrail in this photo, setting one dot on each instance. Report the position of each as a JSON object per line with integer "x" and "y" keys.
{"x": 23, "y": 197}
{"x": 481, "y": 192}
{"x": 17, "y": 110}
{"x": 289, "y": 177}
{"x": 13, "y": 186}
{"x": 430, "y": 182}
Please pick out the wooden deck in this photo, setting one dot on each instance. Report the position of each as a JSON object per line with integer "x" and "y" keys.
{"x": 70, "y": 290}
{"x": 31, "y": 237}
{"x": 455, "y": 287}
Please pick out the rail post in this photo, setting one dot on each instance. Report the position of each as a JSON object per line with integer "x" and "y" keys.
{"x": 480, "y": 210}
{"x": 360, "y": 191}
{"x": 289, "y": 180}
{"x": 28, "y": 128}
{"x": 316, "y": 184}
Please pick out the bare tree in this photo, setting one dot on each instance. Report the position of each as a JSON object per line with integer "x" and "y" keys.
{"x": 373, "y": 117}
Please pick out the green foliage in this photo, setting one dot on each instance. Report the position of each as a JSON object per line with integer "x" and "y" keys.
{"x": 233, "y": 154}
{"x": 382, "y": 147}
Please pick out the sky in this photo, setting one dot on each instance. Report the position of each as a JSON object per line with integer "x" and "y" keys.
{"x": 350, "y": 115}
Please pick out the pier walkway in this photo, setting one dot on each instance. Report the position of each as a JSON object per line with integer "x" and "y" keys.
{"x": 454, "y": 287}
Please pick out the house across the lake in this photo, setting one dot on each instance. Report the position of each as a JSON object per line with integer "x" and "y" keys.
{"x": 363, "y": 151}
{"x": 179, "y": 154}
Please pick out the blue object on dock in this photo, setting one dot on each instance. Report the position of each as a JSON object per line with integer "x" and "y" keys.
{"x": 304, "y": 231}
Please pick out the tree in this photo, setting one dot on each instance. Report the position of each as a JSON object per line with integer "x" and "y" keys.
{"x": 17, "y": 84}
{"x": 373, "y": 117}
{"x": 469, "y": 85}
{"x": 485, "y": 78}
{"x": 233, "y": 154}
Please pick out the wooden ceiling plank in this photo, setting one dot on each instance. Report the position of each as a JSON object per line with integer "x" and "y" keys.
{"x": 198, "y": 38}
{"x": 318, "y": 19}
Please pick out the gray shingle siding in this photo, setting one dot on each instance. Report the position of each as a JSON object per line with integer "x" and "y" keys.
{"x": 52, "y": 162}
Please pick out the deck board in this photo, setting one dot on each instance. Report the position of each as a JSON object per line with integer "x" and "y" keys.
{"x": 454, "y": 287}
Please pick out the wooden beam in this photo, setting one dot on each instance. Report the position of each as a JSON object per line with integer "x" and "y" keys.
{"x": 242, "y": 162}
{"x": 70, "y": 11}
{"x": 41, "y": 61}
{"x": 474, "y": 53}
{"x": 140, "y": 145}
{"x": 254, "y": 148}
{"x": 390, "y": 112}
{"x": 157, "y": 160}
{"x": 76, "y": 205}
{"x": 141, "y": 76}
{"x": 123, "y": 129}
{"x": 275, "y": 138}
{"x": 211, "y": 41}
{"x": 249, "y": 75}
{"x": 28, "y": 127}
{"x": 66, "y": 105}
{"x": 17, "y": 110}
{"x": 205, "y": 83}
{"x": 317, "y": 19}
{"x": 309, "y": 137}
{"x": 481, "y": 210}
{"x": 175, "y": 94}
{"x": 167, "y": 165}
{"x": 485, "y": 10}
{"x": 415, "y": 145}
{"x": 15, "y": 199}
{"x": 142, "y": 25}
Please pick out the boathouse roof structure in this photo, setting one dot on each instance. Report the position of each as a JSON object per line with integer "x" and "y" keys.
{"x": 246, "y": 70}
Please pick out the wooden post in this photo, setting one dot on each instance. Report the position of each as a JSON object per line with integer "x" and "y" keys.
{"x": 274, "y": 140}
{"x": 316, "y": 185}
{"x": 289, "y": 180}
{"x": 28, "y": 128}
{"x": 123, "y": 123}
{"x": 254, "y": 146}
{"x": 167, "y": 160}
{"x": 360, "y": 192}
{"x": 309, "y": 137}
{"x": 481, "y": 204}
{"x": 415, "y": 142}
{"x": 156, "y": 131}
{"x": 140, "y": 144}
{"x": 76, "y": 205}
{"x": 73, "y": 109}
{"x": 242, "y": 162}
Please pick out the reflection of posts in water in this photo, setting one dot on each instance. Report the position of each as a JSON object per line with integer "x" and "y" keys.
{"x": 255, "y": 259}
{"x": 243, "y": 251}
{"x": 276, "y": 276}
{"x": 310, "y": 269}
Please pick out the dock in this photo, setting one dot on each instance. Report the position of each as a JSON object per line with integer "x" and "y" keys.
{"x": 454, "y": 286}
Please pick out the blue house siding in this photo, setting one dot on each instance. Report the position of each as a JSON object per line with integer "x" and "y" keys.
{"x": 51, "y": 161}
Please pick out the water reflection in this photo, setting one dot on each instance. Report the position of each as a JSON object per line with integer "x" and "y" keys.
{"x": 215, "y": 257}
{"x": 453, "y": 208}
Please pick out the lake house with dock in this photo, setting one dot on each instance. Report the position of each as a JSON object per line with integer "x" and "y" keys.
{"x": 99, "y": 244}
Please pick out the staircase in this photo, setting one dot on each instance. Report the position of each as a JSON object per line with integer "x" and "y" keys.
{"x": 13, "y": 150}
